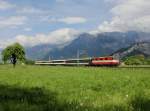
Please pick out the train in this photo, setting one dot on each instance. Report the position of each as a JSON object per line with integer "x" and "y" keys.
{"x": 94, "y": 61}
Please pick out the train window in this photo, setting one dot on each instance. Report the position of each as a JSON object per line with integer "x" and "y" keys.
{"x": 103, "y": 58}
{"x": 109, "y": 58}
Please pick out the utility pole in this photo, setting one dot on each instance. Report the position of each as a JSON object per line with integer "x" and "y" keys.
{"x": 78, "y": 54}
{"x": 49, "y": 58}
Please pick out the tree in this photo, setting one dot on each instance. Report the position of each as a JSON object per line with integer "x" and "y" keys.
{"x": 135, "y": 60}
{"x": 14, "y": 49}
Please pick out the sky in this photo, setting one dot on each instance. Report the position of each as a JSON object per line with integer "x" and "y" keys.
{"x": 33, "y": 22}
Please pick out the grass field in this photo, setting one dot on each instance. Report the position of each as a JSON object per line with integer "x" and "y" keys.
{"x": 37, "y": 88}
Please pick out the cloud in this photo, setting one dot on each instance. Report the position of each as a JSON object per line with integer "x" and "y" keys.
{"x": 128, "y": 15}
{"x": 12, "y": 21}
{"x": 27, "y": 29}
{"x": 5, "y": 5}
{"x": 6, "y": 42}
{"x": 32, "y": 10}
{"x": 58, "y": 37}
{"x": 70, "y": 20}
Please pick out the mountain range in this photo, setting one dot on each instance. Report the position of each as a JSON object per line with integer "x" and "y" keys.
{"x": 142, "y": 48}
{"x": 91, "y": 45}
{"x": 39, "y": 51}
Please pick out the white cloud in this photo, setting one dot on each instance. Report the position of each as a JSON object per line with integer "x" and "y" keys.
{"x": 12, "y": 21}
{"x": 70, "y": 20}
{"x": 58, "y": 37}
{"x": 128, "y": 15}
{"x": 5, "y": 5}
{"x": 73, "y": 20}
{"x": 32, "y": 10}
{"x": 27, "y": 29}
{"x": 6, "y": 42}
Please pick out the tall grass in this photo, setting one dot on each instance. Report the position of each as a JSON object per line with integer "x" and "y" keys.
{"x": 37, "y": 88}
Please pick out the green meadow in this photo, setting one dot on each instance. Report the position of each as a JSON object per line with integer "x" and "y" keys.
{"x": 46, "y": 88}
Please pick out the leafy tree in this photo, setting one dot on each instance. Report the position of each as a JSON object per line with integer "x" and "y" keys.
{"x": 135, "y": 60}
{"x": 16, "y": 49}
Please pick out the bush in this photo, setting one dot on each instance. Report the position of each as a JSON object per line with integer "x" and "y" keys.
{"x": 137, "y": 60}
{"x": 29, "y": 62}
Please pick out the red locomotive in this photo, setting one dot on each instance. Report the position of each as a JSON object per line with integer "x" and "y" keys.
{"x": 104, "y": 61}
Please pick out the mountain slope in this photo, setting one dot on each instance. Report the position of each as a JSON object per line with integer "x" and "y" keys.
{"x": 134, "y": 50}
{"x": 39, "y": 51}
{"x": 98, "y": 45}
